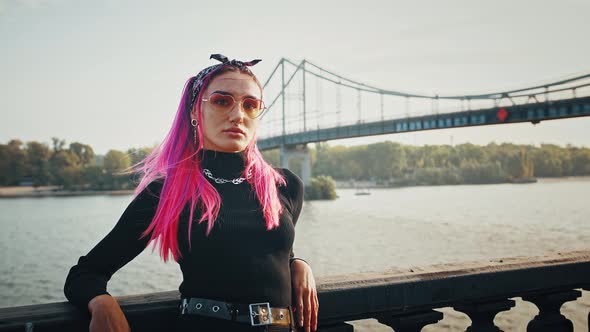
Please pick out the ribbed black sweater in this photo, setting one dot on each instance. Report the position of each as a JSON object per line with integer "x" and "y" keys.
{"x": 240, "y": 261}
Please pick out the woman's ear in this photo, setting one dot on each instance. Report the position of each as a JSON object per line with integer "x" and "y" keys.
{"x": 194, "y": 113}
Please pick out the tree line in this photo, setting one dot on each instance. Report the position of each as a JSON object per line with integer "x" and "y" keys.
{"x": 72, "y": 167}
{"x": 77, "y": 167}
{"x": 395, "y": 164}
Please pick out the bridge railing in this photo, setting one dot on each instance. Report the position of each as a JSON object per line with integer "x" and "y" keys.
{"x": 403, "y": 299}
{"x": 534, "y": 113}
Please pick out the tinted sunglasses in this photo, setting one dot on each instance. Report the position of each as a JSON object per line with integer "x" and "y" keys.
{"x": 224, "y": 103}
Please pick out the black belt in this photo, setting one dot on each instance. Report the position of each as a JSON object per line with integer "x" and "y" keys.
{"x": 257, "y": 314}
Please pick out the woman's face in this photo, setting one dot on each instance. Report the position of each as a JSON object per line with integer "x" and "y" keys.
{"x": 228, "y": 131}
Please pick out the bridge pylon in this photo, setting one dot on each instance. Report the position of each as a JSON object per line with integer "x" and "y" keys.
{"x": 287, "y": 152}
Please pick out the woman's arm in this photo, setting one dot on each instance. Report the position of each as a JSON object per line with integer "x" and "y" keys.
{"x": 295, "y": 191}
{"x": 88, "y": 279}
{"x": 305, "y": 300}
{"x": 306, "y": 297}
{"x": 106, "y": 315}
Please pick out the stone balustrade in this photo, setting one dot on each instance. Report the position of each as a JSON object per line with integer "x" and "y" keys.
{"x": 403, "y": 299}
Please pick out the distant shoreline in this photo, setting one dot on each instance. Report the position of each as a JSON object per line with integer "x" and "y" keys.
{"x": 54, "y": 191}
{"x": 351, "y": 184}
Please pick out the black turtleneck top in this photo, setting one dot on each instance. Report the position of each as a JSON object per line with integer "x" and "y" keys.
{"x": 240, "y": 261}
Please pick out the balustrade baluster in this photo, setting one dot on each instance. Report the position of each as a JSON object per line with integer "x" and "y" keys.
{"x": 413, "y": 322}
{"x": 550, "y": 318}
{"x": 482, "y": 314}
{"x": 587, "y": 288}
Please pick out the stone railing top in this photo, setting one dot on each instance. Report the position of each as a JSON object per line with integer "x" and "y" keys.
{"x": 361, "y": 295}
{"x": 447, "y": 270}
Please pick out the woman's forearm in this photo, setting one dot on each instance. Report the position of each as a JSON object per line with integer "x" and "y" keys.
{"x": 102, "y": 302}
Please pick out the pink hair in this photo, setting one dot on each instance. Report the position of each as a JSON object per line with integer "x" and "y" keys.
{"x": 178, "y": 161}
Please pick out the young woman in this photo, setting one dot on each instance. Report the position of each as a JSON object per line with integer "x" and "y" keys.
{"x": 226, "y": 216}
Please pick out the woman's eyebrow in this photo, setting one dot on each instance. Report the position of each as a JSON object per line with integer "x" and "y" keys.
{"x": 229, "y": 94}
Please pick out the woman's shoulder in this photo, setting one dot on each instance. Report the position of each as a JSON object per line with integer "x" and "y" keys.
{"x": 293, "y": 190}
{"x": 292, "y": 181}
{"x": 155, "y": 185}
{"x": 293, "y": 187}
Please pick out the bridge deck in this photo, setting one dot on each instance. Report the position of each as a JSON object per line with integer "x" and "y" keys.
{"x": 532, "y": 112}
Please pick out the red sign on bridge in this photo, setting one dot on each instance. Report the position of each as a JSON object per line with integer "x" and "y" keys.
{"x": 502, "y": 114}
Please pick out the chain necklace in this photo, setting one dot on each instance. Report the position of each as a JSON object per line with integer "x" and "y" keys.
{"x": 222, "y": 181}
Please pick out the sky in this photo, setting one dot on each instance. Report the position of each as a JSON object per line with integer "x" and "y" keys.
{"x": 110, "y": 73}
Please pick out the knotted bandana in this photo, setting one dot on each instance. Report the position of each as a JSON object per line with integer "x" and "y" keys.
{"x": 198, "y": 82}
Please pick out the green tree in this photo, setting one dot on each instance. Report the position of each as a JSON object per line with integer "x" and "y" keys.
{"x": 321, "y": 187}
{"x": 61, "y": 165}
{"x": 38, "y": 155}
{"x": 15, "y": 162}
{"x": 475, "y": 173}
{"x": 57, "y": 144}
{"x": 329, "y": 162}
{"x": 84, "y": 152}
{"x": 96, "y": 178}
{"x": 114, "y": 163}
{"x": 4, "y": 165}
{"x": 138, "y": 154}
{"x": 580, "y": 161}
{"x": 358, "y": 155}
{"x": 73, "y": 178}
{"x": 548, "y": 162}
{"x": 412, "y": 157}
{"x": 383, "y": 160}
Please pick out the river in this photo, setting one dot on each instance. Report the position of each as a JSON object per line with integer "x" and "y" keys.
{"x": 402, "y": 227}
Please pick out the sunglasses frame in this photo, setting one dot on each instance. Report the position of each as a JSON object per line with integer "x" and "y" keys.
{"x": 262, "y": 104}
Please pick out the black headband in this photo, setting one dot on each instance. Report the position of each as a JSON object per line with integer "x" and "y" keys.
{"x": 198, "y": 82}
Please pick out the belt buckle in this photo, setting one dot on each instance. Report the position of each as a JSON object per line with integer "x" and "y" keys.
{"x": 183, "y": 306}
{"x": 260, "y": 314}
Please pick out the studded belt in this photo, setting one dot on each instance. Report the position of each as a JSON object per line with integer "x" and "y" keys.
{"x": 257, "y": 314}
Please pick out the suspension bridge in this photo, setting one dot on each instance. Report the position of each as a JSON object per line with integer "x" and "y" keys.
{"x": 310, "y": 104}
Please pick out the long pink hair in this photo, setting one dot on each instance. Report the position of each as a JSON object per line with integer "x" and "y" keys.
{"x": 178, "y": 162}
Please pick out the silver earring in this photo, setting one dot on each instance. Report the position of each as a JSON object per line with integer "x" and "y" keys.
{"x": 195, "y": 123}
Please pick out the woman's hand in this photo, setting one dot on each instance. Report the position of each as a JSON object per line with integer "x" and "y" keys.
{"x": 107, "y": 315}
{"x": 306, "y": 297}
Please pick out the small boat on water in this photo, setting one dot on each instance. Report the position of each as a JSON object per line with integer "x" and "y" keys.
{"x": 362, "y": 191}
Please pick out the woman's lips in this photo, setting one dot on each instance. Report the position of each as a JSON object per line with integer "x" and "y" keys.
{"x": 234, "y": 132}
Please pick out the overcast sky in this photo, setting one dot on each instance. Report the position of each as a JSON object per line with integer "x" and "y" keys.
{"x": 109, "y": 73}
